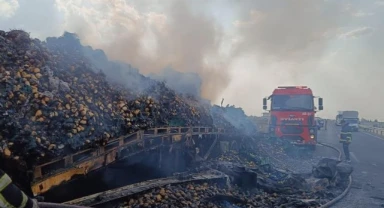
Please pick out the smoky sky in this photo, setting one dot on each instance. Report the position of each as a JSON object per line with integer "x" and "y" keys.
{"x": 176, "y": 37}
{"x": 240, "y": 49}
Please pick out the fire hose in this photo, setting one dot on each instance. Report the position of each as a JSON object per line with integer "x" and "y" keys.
{"x": 54, "y": 205}
{"x": 345, "y": 192}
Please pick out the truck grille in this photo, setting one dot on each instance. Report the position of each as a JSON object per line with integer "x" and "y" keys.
{"x": 291, "y": 129}
{"x": 292, "y": 137}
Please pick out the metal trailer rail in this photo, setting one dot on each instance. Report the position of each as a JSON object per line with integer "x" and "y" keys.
{"x": 54, "y": 173}
{"x": 129, "y": 190}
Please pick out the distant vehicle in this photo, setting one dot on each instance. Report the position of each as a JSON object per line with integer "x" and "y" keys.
{"x": 352, "y": 117}
{"x": 292, "y": 115}
{"x": 320, "y": 123}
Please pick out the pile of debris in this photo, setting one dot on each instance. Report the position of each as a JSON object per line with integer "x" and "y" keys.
{"x": 214, "y": 196}
{"x": 250, "y": 185}
{"x": 53, "y": 101}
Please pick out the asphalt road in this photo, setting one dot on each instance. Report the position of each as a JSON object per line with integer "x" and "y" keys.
{"x": 367, "y": 156}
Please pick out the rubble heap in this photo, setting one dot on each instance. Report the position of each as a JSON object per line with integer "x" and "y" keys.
{"x": 213, "y": 196}
{"x": 252, "y": 184}
{"x": 54, "y": 101}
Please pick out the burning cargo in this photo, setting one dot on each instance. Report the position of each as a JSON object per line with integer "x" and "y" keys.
{"x": 57, "y": 109}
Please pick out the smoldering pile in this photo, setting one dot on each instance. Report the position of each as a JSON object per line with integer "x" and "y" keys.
{"x": 213, "y": 196}
{"x": 252, "y": 184}
{"x": 54, "y": 101}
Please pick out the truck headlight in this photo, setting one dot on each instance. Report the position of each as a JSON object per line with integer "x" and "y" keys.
{"x": 312, "y": 136}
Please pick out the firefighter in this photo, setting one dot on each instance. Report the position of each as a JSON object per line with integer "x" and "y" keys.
{"x": 11, "y": 196}
{"x": 345, "y": 138}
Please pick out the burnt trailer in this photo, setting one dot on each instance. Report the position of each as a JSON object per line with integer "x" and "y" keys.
{"x": 41, "y": 178}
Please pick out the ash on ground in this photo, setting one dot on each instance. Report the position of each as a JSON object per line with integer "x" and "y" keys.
{"x": 296, "y": 159}
{"x": 253, "y": 182}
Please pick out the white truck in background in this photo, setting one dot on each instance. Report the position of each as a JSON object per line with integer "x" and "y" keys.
{"x": 352, "y": 117}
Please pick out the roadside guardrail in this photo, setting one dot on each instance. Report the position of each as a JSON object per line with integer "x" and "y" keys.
{"x": 373, "y": 130}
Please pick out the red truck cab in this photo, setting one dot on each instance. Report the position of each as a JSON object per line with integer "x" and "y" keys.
{"x": 292, "y": 115}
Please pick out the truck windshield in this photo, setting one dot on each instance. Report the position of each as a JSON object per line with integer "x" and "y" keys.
{"x": 292, "y": 102}
{"x": 350, "y": 114}
{"x": 352, "y": 121}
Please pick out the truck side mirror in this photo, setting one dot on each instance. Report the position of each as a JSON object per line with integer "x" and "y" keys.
{"x": 321, "y": 104}
{"x": 264, "y": 103}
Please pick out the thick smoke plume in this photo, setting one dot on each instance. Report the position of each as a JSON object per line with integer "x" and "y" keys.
{"x": 181, "y": 38}
{"x": 187, "y": 83}
{"x": 174, "y": 34}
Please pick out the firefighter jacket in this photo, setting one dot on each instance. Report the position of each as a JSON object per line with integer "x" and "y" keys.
{"x": 11, "y": 196}
{"x": 346, "y": 135}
